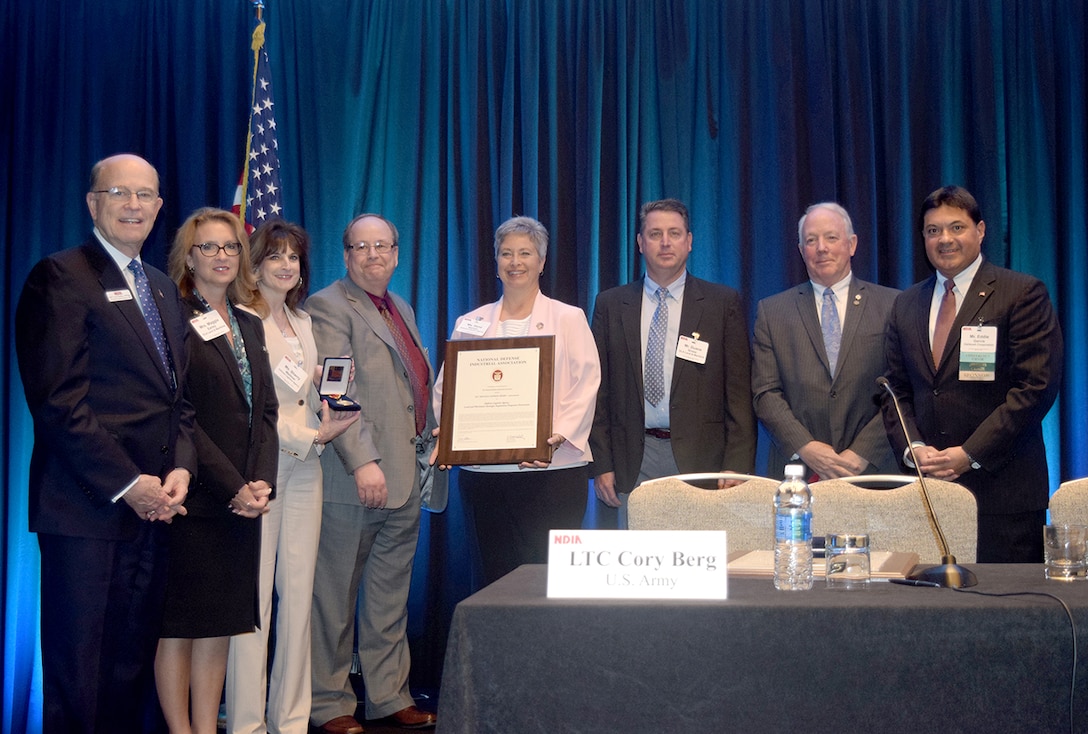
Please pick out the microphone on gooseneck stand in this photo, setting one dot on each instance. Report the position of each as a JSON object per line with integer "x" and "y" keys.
{"x": 949, "y": 574}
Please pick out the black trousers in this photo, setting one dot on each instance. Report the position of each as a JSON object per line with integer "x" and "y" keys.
{"x": 1016, "y": 538}
{"x": 513, "y": 512}
{"x": 101, "y": 612}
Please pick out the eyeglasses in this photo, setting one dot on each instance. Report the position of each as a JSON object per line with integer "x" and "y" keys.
{"x": 211, "y": 249}
{"x": 121, "y": 194}
{"x": 379, "y": 247}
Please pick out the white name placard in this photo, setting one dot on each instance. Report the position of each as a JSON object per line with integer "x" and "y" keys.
{"x": 637, "y": 564}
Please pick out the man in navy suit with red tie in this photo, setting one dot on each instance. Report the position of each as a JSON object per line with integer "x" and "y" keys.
{"x": 100, "y": 338}
{"x": 975, "y": 355}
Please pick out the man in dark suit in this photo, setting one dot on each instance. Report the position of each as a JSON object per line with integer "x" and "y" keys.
{"x": 975, "y": 355}
{"x": 818, "y": 350}
{"x": 675, "y": 392}
{"x": 101, "y": 347}
{"x": 373, "y": 488}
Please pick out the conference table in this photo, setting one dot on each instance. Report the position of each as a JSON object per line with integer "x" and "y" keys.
{"x": 888, "y": 658}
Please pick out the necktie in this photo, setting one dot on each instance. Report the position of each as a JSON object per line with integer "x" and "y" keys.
{"x": 151, "y": 314}
{"x": 945, "y": 316}
{"x": 418, "y": 382}
{"x": 829, "y": 325}
{"x": 655, "y": 350}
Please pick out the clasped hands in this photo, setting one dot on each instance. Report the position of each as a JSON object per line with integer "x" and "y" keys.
{"x": 948, "y": 464}
{"x": 154, "y": 499}
{"x": 252, "y": 499}
{"x": 830, "y": 464}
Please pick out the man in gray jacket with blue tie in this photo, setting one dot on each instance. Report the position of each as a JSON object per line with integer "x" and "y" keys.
{"x": 817, "y": 352}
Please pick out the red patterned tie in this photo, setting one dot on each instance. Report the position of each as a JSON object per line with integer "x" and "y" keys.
{"x": 945, "y": 316}
{"x": 419, "y": 382}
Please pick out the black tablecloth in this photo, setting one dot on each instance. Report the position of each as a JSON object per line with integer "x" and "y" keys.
{"x": 890, "y": 658}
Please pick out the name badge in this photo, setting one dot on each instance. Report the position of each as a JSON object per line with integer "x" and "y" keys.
{"x": 691, "y": 349}
{"x": 121, "y": 294}
{"x": 292, "y": 375}
{"x": 209, "y": 325}
{"x": 473, "y": 328}
{"x": 978, "y": 353}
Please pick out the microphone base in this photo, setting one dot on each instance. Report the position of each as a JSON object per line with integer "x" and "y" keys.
{"x": 949, "y": 574}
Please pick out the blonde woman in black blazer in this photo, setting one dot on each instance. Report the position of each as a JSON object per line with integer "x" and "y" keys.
{"x": 212, "y": 585}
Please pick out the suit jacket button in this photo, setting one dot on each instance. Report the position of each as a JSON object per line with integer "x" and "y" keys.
{"x": 936, "y": 391}
{"x": 301, "y": 402}
{"x": 164, "y": 450}
{"x": 834, "y": 394}
{"x": 411, "y": 408}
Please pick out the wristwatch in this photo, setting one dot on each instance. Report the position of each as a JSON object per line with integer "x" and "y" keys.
{"x": 974, "y": 464}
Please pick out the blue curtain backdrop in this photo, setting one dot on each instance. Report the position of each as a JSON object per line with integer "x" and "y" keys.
{"x": 451, "y": 115}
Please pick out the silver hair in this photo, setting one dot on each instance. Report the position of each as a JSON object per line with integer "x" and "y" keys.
{"x": 832, "y": 206}
{"x": 527, "y": 226}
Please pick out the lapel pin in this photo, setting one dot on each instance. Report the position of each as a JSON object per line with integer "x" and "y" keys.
{"x": 857, "y": 299}
{"x": 695, "y": 335}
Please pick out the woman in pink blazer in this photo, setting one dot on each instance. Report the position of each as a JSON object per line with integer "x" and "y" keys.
{"x": 514, "y": 506}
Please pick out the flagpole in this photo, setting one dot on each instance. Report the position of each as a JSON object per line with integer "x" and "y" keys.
{"x": 256, "y": 42}
{"x": 258, "y": 196}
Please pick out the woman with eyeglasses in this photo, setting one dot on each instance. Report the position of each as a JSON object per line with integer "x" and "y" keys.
{"x": 290, "y": 528}
{"x": 513, "y": 506}
{"x": 211, "y": 590}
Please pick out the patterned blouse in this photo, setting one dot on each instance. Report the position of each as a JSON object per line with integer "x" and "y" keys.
{"x": 238, "y": 347}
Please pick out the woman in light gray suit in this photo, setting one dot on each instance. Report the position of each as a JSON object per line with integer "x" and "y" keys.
{"x": 290, "y": 528}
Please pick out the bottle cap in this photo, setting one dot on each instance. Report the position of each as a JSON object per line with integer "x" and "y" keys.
{"x": 795, "y": 471}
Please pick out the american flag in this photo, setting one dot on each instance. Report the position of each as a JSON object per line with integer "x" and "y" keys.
{"x": 258, "y": 197}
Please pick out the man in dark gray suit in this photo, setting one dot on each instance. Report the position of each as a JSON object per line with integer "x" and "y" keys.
{"x": 975, "y": 354}
{"x": 689, "y": 409}
{"x": 818, "y": 350}
{"x": 373, "y": 488}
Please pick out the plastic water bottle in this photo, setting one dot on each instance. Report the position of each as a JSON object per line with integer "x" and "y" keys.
{"x": 793, "y": 532}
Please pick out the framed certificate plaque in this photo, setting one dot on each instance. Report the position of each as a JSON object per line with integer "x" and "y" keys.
{"x": 497, "y": 401}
